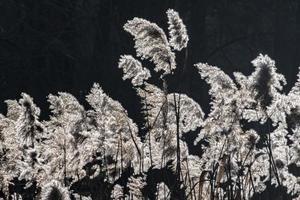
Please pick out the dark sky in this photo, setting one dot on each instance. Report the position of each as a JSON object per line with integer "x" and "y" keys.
{"x": 48, "y": 46}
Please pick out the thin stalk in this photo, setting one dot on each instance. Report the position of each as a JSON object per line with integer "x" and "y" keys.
{"x": 177, "y": 113}
{"x": 121, "y": 154}
{"x": 117, "y": 157}
{"x": 65, "y": 163}
{"x": 149, "y": 132}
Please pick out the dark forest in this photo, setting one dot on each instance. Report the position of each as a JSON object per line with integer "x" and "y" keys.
{"x": 48, "y": 46}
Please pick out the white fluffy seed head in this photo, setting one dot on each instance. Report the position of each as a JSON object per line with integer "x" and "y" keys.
{"x": 151, "y": 43}
{"x": 54, "y": 191}
{"x": 133, "y": 69}
{"x": 177, "y": 31}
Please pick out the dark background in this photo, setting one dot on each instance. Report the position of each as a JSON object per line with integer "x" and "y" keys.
{"x": 48, "y": 46}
